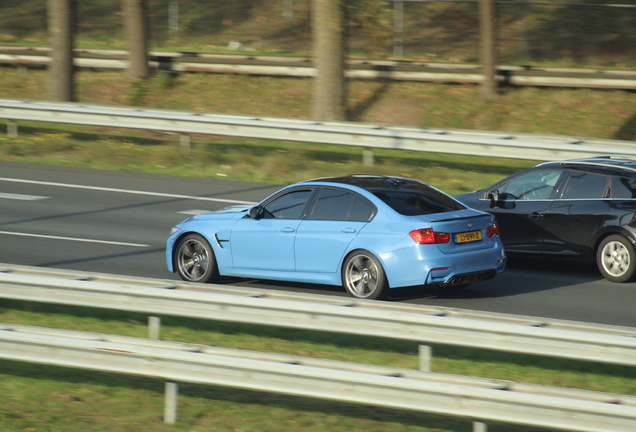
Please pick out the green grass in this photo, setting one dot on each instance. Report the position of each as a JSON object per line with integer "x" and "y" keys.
{"x": 48, "y": 399}
{"x": 52, "y": 399}
{"x": 248, "y": 159}
{"x": 584, "y": 113}
{"x": 43, "y": 398}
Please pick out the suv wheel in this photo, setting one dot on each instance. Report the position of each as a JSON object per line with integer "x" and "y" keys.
{"x": 616, "y": 259}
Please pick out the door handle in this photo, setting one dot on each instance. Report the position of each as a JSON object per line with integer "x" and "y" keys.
{"x": 535, "y": 215}
{"x": 348, "y": 230}
{"x": 287, "y": 229}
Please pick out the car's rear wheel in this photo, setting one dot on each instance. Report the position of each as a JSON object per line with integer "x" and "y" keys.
{"x": 363, "y": 276}
{"x": 616, "y": 259}
{"x": 195, "y": 260}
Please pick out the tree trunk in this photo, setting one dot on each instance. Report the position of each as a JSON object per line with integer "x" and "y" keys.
{"x": 328, "y": 32}
{"x": 487, "y": 47}
{"x": 136, "y": 30}
{"x": 61, "y": 86}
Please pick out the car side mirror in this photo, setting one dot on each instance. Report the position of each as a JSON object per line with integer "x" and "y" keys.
{"x": 494, "y": 198}
{"x": 501, "y": 201}
{"x": 255, "y": 212}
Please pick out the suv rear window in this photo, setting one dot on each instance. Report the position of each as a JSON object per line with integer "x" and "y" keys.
{"x": 623, "y": 187}
{"x": 583, "y": 185}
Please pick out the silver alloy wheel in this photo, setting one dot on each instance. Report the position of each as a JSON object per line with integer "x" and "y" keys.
{"x": 615, "y": 258}
{"x": 361, "y": 276}
{"x": 193, "y": 260}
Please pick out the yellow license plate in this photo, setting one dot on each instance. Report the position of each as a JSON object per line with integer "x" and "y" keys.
{"x": 468, "y": 236}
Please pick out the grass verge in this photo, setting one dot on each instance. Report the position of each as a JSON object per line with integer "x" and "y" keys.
{"x": 249, "y": 160}
{"x": 572, "y": 112}
{"x": 43, "y": 398}
{"x": 48, "y": 399}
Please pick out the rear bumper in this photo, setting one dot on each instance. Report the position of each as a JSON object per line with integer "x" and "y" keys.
{"x": 468, "y": 278}
{"x": 426, "y": 266}
{"x": 461, "y": 274}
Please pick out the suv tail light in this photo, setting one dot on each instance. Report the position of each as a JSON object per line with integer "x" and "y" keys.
{"x": 428, "y": 236}
{"x": 492, "y": 230}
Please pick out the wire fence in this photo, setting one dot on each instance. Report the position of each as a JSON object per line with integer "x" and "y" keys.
{"x": 582, "y": 33}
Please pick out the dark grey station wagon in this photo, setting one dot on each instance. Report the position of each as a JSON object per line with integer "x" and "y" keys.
{"x": 582, "y": 208}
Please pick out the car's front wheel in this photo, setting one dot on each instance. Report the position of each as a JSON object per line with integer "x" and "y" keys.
{"x": 616, "y": 259}
{"x": 363, "y": 276}
{"x": 194, "y": 259}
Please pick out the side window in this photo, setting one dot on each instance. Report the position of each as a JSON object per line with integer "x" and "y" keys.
{"x": 361, "y": 211}
{"x": 535, "y": 185}
{"x": 623, "y": 187}
{"x": 288, "y": 206}
{"x": 582, "y": 185}
{"x": 337, "y": 204}
{"x": 332, "y": 204}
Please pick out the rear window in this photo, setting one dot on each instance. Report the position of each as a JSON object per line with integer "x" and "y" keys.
{"x": 420, "y": 201}
{"x": 623, "y": 187}
{"x": 583, "y": 185}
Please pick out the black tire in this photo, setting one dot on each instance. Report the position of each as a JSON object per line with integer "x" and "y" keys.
{"x": 616, "y": 259}
{"x": 194, "y": 259}
{"x": 363, "y": 276}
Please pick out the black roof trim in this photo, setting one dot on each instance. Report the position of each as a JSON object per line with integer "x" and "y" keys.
{"x": 371, "y": 181}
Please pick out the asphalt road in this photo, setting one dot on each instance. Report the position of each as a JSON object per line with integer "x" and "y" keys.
{"x": 115, "y": 222}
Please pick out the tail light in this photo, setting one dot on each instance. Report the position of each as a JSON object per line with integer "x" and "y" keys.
{"x": 428, "y": 236}
{"x": 492, "y": 230}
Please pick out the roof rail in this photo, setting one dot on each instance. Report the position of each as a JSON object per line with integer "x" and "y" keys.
{"x": 613, "y": 156}
{"x": 598, "y": 160}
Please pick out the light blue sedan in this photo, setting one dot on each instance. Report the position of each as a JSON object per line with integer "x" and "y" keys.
{"x": 366, "y": 233}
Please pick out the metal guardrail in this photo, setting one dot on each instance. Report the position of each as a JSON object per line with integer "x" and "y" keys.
{"x": 476, "y": 143}
{"x": 302, "y": 67}
{"x": 421, "y": 324}
{"x": 476, "y": 398}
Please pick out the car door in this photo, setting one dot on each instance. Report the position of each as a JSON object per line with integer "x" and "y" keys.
{"x": 622, "y": 207}
{"x": 334, "y": 221}
{"x": 523, "y": 203}
{"x": 267, "y": 242}
{"x": 578, "y": 214}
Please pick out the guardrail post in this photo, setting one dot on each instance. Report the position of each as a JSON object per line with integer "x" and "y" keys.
{"x": 154, "y": 327}
{"x": 12, "y": 129}
{"x": 425, "y": 358}
{"x": 367, "y": 157}
{"x": 479, "y": 427}
{"x": 170, "y": 407}
{"x": 186, "y": 143}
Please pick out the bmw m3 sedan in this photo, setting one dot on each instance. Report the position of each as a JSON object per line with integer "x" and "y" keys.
{"x": 366, "y": 233}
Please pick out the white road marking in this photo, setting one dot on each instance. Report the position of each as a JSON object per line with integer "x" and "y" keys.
{"x": 73, "y": 239}
{"x": 134, "y": 192}
{"x": 194, "y": 212}
{"x": 22, "y": 197}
